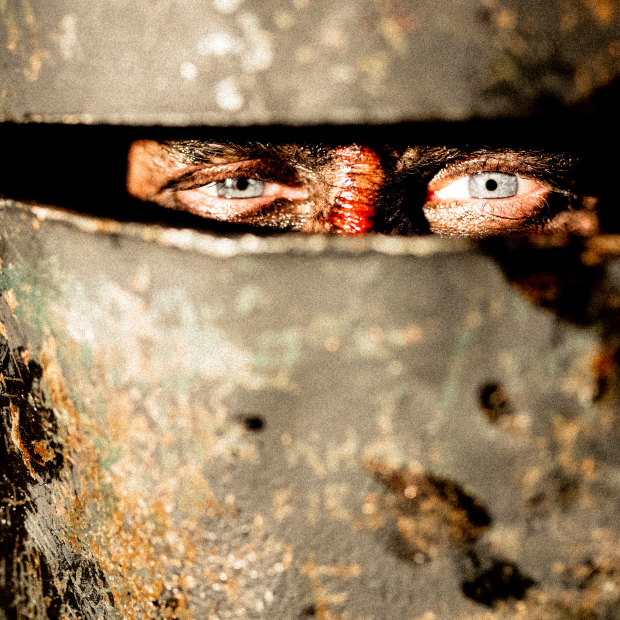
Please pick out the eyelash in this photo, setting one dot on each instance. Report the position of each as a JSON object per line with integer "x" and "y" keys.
{"x": 487, "y": 164}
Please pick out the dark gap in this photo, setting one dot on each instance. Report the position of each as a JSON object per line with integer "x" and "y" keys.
{"x": 310, "y": 610}
{"x": 494, "y": 580}
{"x": 494, "y": 401}
{"x": 253, "y": 422}
{"x": 555, "y": 278}
{"x": 83, "y": 167}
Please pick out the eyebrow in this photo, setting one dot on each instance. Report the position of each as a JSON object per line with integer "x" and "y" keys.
{"x": 554, "y": 167}
{"x": 263, "y": 169}
{"x": 205, "y": 151}
{"x": 423, "y": 162}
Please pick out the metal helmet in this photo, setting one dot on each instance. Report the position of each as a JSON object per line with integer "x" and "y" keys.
{"x": 203, "y": 425}
{"x": 232, "y": 62}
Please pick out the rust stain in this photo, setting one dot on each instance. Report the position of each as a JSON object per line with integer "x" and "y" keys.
{"x": 596, "y": 71}
{"x": 506, "y": 19}
{"x": 325, "y": 600}
{"x": 602, "y": 10}
{"x": 135, "y": 568}
{"x": 122, "y": 543}
{"x": 12, "y": 38}
{"x": 42, "y": 449}
{"x": 10, "y": 298}
{"x": 35, "y": 63}
{"x": 16, "y": 438}
{"x": 430, "y": 512}
{"x": 54, "y": 382}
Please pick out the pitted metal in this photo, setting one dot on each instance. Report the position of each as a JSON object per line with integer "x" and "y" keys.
{"x": 209, "y": 427}
{"x": 233, "y": 62}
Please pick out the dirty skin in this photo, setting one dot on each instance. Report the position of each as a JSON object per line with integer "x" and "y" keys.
{"x": 356, "y": 188}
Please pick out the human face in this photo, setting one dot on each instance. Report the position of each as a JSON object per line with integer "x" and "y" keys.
{"x": 357, "y": 188}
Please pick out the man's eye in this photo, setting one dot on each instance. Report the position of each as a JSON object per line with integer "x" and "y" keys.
{"x": 484, "y": 203}
{"x": 232, "y": 198}
{"x": 485, "y": 185}
{"x": 493, "y": 185}
{"x": 236, "y": 188}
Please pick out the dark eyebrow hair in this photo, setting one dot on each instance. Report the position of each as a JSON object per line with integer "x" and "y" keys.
{"x": 423, "y": 161}
{"x": 306, "y": 156}
{"x": 204, "y": 151}
{"x": 555, "y": 167}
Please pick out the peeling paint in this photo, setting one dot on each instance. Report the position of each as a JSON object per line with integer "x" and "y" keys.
{"x": 228, "y": 442}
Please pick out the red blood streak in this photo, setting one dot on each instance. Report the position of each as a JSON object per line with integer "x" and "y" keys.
{"x": 359, "y": 178}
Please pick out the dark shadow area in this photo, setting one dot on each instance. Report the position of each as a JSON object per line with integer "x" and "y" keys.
{"x": 494, "y": 401}
{"x": 491, "y": 580}
{"x": 253, "y": 423}
{"x": 83, "y": 167}
{"x": 550, "y": 275}
{"x": 32, "y": 453}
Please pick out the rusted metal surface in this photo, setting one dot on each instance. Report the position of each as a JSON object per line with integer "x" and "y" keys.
{"x": 208, "y": 427}
{"x": 232, "y": 62}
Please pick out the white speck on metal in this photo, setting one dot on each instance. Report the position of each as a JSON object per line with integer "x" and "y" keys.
{"x": 67, "y": 39}
{"x": 258, "y": 51}
{"x": 227, "y": 94}
{"x": 218, "y": 44}
{"x": 226, "y": 6}
{"x": 188, "y": 71}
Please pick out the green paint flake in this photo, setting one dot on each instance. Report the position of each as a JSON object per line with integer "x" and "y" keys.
{"x": 27, "y": 10}
{"x": 277, "y": 349}
{"x": 113, "y": 456}
{"x": 463, "y": 343}
{"x": 9, "y": 21}
{"x": 34, "y": 285}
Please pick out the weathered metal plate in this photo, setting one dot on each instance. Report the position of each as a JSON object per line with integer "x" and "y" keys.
{"x": 230, "y": 62}
{"x": 296, "y": 427}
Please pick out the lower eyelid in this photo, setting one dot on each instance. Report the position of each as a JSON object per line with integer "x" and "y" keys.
{"x": 201, "y": 202}
{"x": 484, "y": 217}
{"x": 516, "y": 208}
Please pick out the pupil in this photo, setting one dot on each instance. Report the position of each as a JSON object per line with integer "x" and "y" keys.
{"x": 491, "y": 185}
{"x": 242, "y": 184}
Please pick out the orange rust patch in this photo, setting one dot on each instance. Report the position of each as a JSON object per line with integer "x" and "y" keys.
{"x": 11, "y": 300}
{"x": 16, "y": 438}
{"x": 602, "y": 11}
{"x": 323, "y": 598}
{"x": 430, "y": 512}
{"x": 54, "y": 381}
{"x": 42, "y": 450}
{"x": 359, "y": 179}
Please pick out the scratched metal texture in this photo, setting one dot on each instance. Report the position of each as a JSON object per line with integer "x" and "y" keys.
{"x": 234, "y": 62}
{"x": 296, "y": 427}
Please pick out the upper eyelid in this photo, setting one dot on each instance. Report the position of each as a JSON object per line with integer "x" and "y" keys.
{"x": 199, "y": 152}
{"x": 546, "y": 168}
{"x": 269, "y": 171}
{"x": 488, "y": 163}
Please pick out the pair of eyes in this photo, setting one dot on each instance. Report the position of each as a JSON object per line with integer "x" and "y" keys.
{"x": 479, "y": 204}
{"x": 481, "y": 185}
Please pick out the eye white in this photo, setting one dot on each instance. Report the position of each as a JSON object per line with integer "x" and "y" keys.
{"x": 482, "y": 185}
